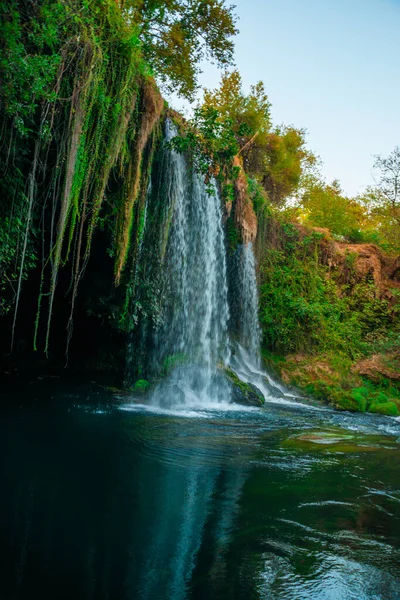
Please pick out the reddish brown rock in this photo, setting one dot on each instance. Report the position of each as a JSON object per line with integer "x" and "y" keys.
{"x": 377, "y": 366}
{"x": 244, "y": 215}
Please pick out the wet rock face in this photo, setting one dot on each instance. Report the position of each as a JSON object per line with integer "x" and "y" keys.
{"x": 243, "y": 393}
{"x": 249, "y": 397}
{"x": 245, "y": 217}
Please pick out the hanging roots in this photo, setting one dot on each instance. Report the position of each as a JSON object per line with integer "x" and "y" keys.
{"x": 152, "y": 106}
{"x": 95, "y": 124}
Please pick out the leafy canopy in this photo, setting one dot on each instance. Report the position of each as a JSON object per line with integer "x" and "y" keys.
{"x": 273, "y": 156}
{"x": 326, "y": 206}
{"x": 176, "y": 35}
{"x": 382, "y": 202}
{"x": 388, "y": 188}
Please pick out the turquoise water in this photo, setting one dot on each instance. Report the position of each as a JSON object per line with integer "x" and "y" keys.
{"x": 105, "y": 499}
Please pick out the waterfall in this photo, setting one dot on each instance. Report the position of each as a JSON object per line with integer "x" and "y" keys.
{"x": 189, "y": 326}
{"x": 248, "y": 327}
{"x": 246, "y": 357}
{"x": 193, "y": 337}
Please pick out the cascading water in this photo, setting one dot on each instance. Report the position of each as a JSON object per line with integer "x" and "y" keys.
{"x": 184, "y": 339}
{"x": 193, "y": 338}
{"x": 246, "y": 358}
{"x": 249, "y": 328}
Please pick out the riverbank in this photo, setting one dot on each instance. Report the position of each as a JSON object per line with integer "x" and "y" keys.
{"x": 369, "y": 385}
{"x": 329, "y": 314}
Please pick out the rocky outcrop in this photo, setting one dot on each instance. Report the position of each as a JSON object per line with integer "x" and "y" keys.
{"x": 379, "y": 366}
{"x": 365, "y": 263}
{"x": 244, "y": 216}
{"x": 243, "y": 393}
{"x": 359, "y": 262}
{"x": 356, "y": 263}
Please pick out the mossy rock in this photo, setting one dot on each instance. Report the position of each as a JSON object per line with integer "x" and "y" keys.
{"x": 342, "y": 400}
{"x": 340, "y": 440}
{"x": 378, "y": 398}
{"x": 173, "y": 361}
{"x": 360, "y": 396}
{"x": 385, "y": 408}
{"x": 334, "y": 395}
{"x": 243, "y": 393}
{"x": 141, "y": 386}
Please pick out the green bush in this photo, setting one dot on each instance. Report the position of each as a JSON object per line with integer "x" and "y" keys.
{"x": 360, "y": 395}
{"x": 387, "y": 408}
{"x": 300, "y": 309}
{"x": 306, "y": 308}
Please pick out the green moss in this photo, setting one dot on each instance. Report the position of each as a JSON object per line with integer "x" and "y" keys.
{"x": 360, "y": 395}
{"x": 244, "y": 392}
{"x": 339, "y": 440}
{"x": 318, "y": 389}
{"x": 330, "y": 379}
{"x": 385, "y": 408}
{"x": 344, "y": 401}
{"x": 141, "y": 386}
{"x": 379, "y": 398}
{"x": 173, "y": 361}
{"x": 232, "y": 234}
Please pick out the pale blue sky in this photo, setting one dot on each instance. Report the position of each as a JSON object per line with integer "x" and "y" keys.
{"x": 331, "y": 67}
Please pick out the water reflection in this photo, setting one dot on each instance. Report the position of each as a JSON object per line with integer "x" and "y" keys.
{"x": 101, "y": 515}
{"x": 122, "y": 505}
{"x": 194, "y": 502}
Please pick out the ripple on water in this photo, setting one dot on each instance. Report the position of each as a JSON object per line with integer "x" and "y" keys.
{"x": 233, "y": 435}
{"x": 324, "y": 576}
{"x": 212, "y": 491}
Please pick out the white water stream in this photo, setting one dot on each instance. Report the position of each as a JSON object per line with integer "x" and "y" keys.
{"x": 196, "y": 311}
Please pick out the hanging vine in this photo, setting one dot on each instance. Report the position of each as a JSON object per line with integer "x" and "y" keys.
{"x": 83, "y": 124}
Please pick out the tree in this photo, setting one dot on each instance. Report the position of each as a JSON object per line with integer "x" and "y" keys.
{"x": 388, "y": 188}
{"x": 176, "y": 35}
{"x": 274, "y": 157}
{"x": 247, "y": 116}
{"x": 382, "y": 202}
{"x": 285, "y": 159}
{"x": 326, "y": 206}
{"x": 230, "y": 123}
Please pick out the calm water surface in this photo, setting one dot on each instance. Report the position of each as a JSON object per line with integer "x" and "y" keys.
{"x": 104, "y": 499}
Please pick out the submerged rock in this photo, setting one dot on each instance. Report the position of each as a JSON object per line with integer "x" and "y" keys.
{"x": 339, "y": 440}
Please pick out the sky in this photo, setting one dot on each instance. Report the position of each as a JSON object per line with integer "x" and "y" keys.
{"x": 331, "y": 67}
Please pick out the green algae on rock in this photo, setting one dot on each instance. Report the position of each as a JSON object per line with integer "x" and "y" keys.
{"x": 243, "y": 393}
{"x": 340, "y": 440}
